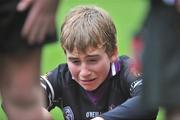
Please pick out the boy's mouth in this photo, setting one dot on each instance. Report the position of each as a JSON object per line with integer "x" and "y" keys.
{"x": 87, "y": 81}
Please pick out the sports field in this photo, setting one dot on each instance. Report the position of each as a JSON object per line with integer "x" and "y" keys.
{"x": 127, "y": 16}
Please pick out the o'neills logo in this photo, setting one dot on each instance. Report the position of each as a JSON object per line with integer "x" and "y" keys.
{"x": 92, "y": 114}
{"x": 68, "y": 113}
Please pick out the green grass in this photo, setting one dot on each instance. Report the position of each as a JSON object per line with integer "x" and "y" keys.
{"x": 127, "y": 16}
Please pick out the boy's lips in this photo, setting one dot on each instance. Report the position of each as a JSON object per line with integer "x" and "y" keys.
{"x": 87, "y": 81}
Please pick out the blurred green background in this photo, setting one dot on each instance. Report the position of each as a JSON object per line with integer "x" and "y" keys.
{"x": 127, "y": 16}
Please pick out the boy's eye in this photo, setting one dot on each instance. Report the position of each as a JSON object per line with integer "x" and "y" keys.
{"x": 75, "y": 61}
{"x": 92, "y": 60}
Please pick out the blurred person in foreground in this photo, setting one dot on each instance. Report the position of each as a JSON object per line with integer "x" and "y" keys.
{"x": 161, "y": 57}
{"x": 25, "y": 26}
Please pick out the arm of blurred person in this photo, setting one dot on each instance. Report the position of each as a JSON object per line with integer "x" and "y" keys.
{"x": 40, "y": 20}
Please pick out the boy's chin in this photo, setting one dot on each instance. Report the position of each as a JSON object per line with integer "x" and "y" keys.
{"x": 90, "y": 88}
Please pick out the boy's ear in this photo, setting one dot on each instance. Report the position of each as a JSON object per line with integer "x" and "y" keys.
{"x": 114, "y": 55}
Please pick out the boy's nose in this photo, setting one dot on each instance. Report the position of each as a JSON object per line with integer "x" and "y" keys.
{"x": 84, "y": 72}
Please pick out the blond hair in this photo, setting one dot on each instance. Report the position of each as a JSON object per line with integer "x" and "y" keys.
{"x": 88, "y": 26}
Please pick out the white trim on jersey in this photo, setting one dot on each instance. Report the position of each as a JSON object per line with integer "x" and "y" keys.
{"x": 113, "y": 69}
{"x": 138, "y": 83}
{"x": 50, "y": 86}
{"x": 43, "y": 86}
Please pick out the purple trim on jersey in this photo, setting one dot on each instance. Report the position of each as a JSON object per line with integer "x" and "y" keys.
{"x": 97, "y": 94}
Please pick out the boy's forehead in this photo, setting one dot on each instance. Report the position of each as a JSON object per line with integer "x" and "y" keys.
{"x": 87, "y": 51}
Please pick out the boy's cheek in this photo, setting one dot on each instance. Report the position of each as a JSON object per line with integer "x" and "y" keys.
{"x": 74, "y": 71}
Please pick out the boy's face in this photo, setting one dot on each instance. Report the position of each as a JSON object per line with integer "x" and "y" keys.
{"x": 89, "y": 69}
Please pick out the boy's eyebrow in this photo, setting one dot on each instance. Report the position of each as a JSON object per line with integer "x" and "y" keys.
{"x": 72, "y": 58}
{"x": 88, "y": 56}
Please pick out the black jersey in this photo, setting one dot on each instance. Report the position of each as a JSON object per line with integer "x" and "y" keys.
{"x": 120, "y": 99}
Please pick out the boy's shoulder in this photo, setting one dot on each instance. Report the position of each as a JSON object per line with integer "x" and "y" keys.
{"x": 124, "y": 60}
{"x": 61, "y": 68}
{"x": 120, "y": 65}
{"x": 60, "y": 76}
{"x": 124, "y": 57}
{"x": 127, "y": 66}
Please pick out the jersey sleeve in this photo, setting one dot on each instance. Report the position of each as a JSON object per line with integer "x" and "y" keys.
{"x": 52, "y": 87}
{"x": 130, "y": 109}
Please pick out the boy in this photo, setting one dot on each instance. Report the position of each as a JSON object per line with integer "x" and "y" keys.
{"x": 94, "y": 82}
{"x": 23, "y": 32}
